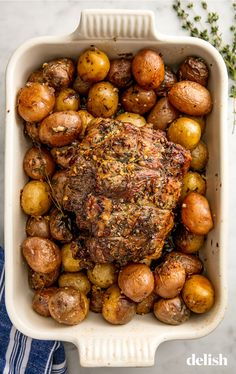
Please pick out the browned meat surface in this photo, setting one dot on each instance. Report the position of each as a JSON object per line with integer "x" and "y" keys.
{"x": 122, "y": 185}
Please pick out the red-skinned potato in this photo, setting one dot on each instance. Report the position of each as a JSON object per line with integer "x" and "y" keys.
{"x": 138, "y": 100}
{"x": 120, "y": 73}
{"x": 59, "y": 73}
{"x": 38, "y": 226}
{"x": 162, "y": 114}
{"x": 188, "y": 242}
{"x": 194, "y": 69}
{"x": 169, "y": 80}
{"x": 171, "y": 311}
{"x": 169, "y": 279}
{"x": 38, "y": 163}
{"x": 192, "y": 264}
{"x": 41, "y": 299}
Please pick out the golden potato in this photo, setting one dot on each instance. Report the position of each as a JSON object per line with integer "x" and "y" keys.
{"x": 133, "y": 118}
{"x": 188, "y": 242}
{"x": 102, "y": 100}
{"x": 120, "y": 74}
{"x": 79, "y": 281}
{"x": 171, "y": 311}
{"x": 200, "y": 120}
{"x": 146, "y": 305}
{"x": 35, "y": 198}
{"x": 136, "y": 281}
{"x": 96, "y": 299}
{"x": 59, "y": 73}
{"x": 192, "y": 264}
{"x": 138, "y": 100}
{"x": 38, "y": 226}
{"x": 58, "y": 184}
{"x": 60, "y": 226}
{"x": 184, "y": 131}
{"x": 148, "y": 69}
{"x": 41, "y": 299}
{"x": 198, "y": 294}
{"x": 38, "y": 163}
{"x": 80, "y": 86}
{"x": 162, "y": 114}
{"x": 190, "y": 98}
{"x": 169, "y": 279}
{"x": 70, "y": 264}
{"x": 196, "y": 214}
{"x": 199, "y": 157}
{"x": 194, "y": 69}
{"x": 169, "y": 80}
{"x": 93, "y": 65}
{"x": 42, "y": 255}
{"x": 67, "y": 99}
{"x": 86, "y": 118}
{"x": 103, "y": 275}
{"x": 31, "y": 129}
{"x": 38, "y": 281}
{"x": 117, "y": 309}
{"x": 192, "y": 182}
{"x": 68, "y": 306}
{"x": 35, "y": 102}
{"x": 60, "y": 128}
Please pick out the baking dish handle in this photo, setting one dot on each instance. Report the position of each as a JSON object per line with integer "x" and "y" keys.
{"x": 115, "y": 24}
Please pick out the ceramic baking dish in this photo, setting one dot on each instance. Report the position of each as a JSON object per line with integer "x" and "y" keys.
{"x": 116, "y": 32}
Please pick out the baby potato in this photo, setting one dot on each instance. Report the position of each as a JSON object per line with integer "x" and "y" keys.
{"x": 162, "y": 114}
{"x": 58, "y": 184}
{"x": 41, "y": 299}
{"x": 199, "y": 157}
{"x": 146, "y": 305}
{"x": 196, "y": 214}
{"x": 138, "y": 100}
{"x": 36, "y": 77}
{"x": 198, "y": 294}
{"x": 169, "y": 279}
{"x": 38, "y": 281}
{"x": 59, "y": 73}
{"x": 117, "y": 309}
{"x": 68, "y": 306}
{"x": 31, "y": 129}
{"x": 171, "y": 311}
{"x": 38, "y": 163}
{"x": 38, "y": 226}
{"x": 184, "y": 131}
{"x": 80, "y": 86}
{"x": 102, "y": 100}
{"x": 133, "y": 118}
{"x": 86, "y": 118}
{"x": 93, "y": 65}
{"x": 148, "y": 69}
{"x": 190, "y": 98}
{"x": 169, "y": 80}
{"x": 78, "y": 281}
{"x": 67, "y": 99}
{"x": 60, "y": 128}
{"x": 136, "y": 281}
{"x": 194, "y": 69}
{"x": 96, "y": 299}
{"x": 120, "y": 74}
{"x": 188, "y": 242}
{"x": 35, "y": 198}
{"x": 42, "y": 255}
{"x": 103, "y": 275}
{"x": 35, "y": 101}
{"x": 200, "y": 120}
{"x": 192, "y": 182}
{"x": 191, "y": 263}
{"x": 63, "y": 155}
{"x": 60, "y": 226}
{"x": 70, "y": 264}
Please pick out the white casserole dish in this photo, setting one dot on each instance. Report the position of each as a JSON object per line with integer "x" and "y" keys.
{"x": 101, "y": 344}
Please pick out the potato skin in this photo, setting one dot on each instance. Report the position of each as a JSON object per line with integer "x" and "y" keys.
{"x": 117, "y": 309}
{"x": 70, "y": 264}
{"x": 35, "y": 101}
{"x": 136, "y": 281}
{"x": 35, "y": 198}
{"x": 68, "y": 306}
{"x": 187, "y": 242}
{"x": 169, "y": 80}
{"x": 133, "y": 118}
{"x": 36, "y": 77}
{"x": 102, "y": 275}
{"x": 38, "y": 281}
{"x": 60, "y": 226}
{"x": 86, "y": 118}
{"x": 194, "y": 69}
{"x": 31, "y": 129}
{"x": 60, "y": 128}
{"x": 58, "y": 184}
{"x": 184, "y": 131}
{"x": 38, "y": 226}
{"x": 80, "y": 86}
{"x": 171, "y": 311}
{"x": 148, "y": 69}
{"x": 199, "y": 157}
{"x": 120, "y": 74}
{"x": 93, "y": 65}
{"x": 192, "y": 182}
{"x": 192, "y": 264}
{"x": 67, "y": 99}
{"x": 59, "y": 73}
{"x": 190, "y": 98}
{"x": 196, "y": 214}
{"x": 138, "y": 100}
{"x": 162, "y": 114}
{"x": 96, "y": 299}
{"x": 41, "y": 299}
{"x": 38, "y": 163}
{"x": 42, "y": 255}
{"x": 146, "y": 305}
{"x": 79, "y": 281}
{"x": 198, "y": 294}
{"x": 169, "y": 279}
{"x": 102, "y": 100}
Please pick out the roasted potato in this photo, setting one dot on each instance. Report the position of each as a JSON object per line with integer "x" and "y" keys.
{"x": 103, "y": 275}
{"x": 191, "y": 263}
{"x": 67, "y": 99}
{"x": 79, "y": 281}
{"x": 120, "y": 74}
{"x": 41, "y": 299}
{"x": 138, "y": 100}
{"x": 86, "y": 118}
{"x": 184, "y": 131}
{"x": 35, "y": 198}
{"x": 38, "y": 226}
{"x": 199, "y": 157}
{"x": 196, "y": 214}
{"x": 136, "y": 281}
{"x": 192, "y": 182}
{"x": 31, "y": 129}
{"x": 38, "y": 281}
{"x": 96, "y": 299}
{"x": 59, "y": 73}
{"x": 60, "y": 128}
{"x": 58, "y": 183}
{"x": 169, "y": 80}
{"x": 194, "y": 69}
{"x": 148, "y": 69}
{"x": 35, "y": 102}
{"x": 169, "y": 279}
{"x": 134, "y": 118}
{"x": 190, "y": 98}
{"x": 198, "y": 294}
{"x": 146, "y": 305}
{"x": 162, "y": 114}
{"x": 70, "y": 264}
{"x": 42, "y": 255}
{"x": 38, "y": 163}
{"x": 201, "y": 120}
{"x": 188, "y": 242}
{"x": 60, "y": 226}
{"x": 36, "y": 77}
{"x": 93, "y": 65}
{"x": 171, "y": 311}
{"x": 102, "y": 100}
{"x": 63, "y": 155}
{"x": 117, "y": 309}
{"x": 80, "y": 86}
{"x": 68, "y": 306}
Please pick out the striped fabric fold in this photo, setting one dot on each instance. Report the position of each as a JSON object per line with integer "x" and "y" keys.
{"x": 20, "y": 354}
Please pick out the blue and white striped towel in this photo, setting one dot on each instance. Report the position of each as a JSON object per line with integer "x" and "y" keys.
{"x": 20, "y": 354}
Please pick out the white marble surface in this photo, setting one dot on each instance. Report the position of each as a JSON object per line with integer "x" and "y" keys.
{"x": 21, "y": 20}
